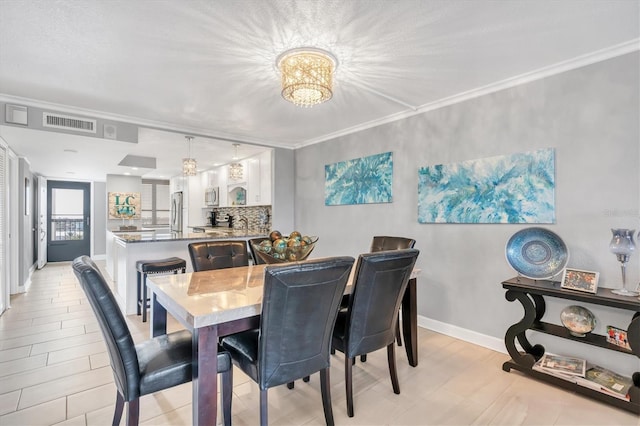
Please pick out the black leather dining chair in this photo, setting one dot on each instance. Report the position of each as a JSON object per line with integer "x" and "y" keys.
{"x": 382, "y": 243}
{"x": 147, "y": 367}
{"x": 219, "y": 254}
{"x": 299, "y": 306}
{"x": 369, "y": 322}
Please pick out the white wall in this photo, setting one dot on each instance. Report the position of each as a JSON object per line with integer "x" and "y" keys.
{"x": 589, "y": 115}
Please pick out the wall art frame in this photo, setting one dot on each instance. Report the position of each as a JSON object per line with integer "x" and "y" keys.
{"x": 365, "y": 180}
{"x": 514, "y": 188}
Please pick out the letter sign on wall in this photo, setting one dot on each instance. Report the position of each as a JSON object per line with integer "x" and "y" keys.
{"x": 124, "y": 205}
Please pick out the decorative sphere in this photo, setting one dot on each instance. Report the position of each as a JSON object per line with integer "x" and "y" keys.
{"x": 265, "y": 246}
{"x": 307, "y": 239}
{"x": 578, "y": 320}
{"x": 275, "y": 235}
{"x": 295, "y": 235}
{"x": 279, "y": 245}
{"x": 293, "y": 243}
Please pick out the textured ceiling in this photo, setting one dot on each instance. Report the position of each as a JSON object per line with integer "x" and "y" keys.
{"x": 208, "y": 67}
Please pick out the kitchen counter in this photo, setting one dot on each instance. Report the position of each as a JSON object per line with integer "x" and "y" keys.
{"x": 125, "y": 248}
{"x": 209, "y": 233}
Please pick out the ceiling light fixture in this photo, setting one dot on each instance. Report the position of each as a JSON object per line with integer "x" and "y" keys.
{"x": 307, "y": 75}
{"x": 235, "y": 169}
{"x": 189, "y": 164}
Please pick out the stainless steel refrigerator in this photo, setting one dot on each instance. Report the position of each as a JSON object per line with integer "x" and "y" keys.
{"x": 176, "y": 211}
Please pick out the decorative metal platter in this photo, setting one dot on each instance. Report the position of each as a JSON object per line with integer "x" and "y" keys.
{"x": 537, "y": 253}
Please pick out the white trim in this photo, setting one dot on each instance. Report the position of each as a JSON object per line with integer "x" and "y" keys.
{"x": 460, "y": 333}
{"x": 560, "y": 67}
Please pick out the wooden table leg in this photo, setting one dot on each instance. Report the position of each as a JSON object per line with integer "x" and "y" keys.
{"x": 410, "y": 322}
{"x": 205, "y": 376}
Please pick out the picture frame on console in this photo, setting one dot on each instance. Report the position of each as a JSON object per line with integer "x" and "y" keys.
{"x": 580, "y": 280}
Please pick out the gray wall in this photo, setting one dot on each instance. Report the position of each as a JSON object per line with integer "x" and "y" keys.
{"x": 125, "y": 132}
{"x": 283, "y": 190}
{"x": 589, "y": 115}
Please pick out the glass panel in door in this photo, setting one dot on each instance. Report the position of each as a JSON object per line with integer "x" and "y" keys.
{"x": 68, "y": 220}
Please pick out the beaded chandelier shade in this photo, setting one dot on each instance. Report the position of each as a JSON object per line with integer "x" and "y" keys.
{"x": 307, "y": 76}
{"x": 235, "y": 169}
{"x": 189, "y": 165}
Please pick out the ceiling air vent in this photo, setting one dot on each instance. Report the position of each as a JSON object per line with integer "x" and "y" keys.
{"x": 67, "y": 122}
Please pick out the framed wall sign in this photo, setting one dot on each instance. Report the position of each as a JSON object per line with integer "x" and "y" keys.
{"x": 124, "y": 205}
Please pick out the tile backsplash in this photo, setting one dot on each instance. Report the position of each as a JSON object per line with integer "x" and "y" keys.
{"x": 258, "y": 217}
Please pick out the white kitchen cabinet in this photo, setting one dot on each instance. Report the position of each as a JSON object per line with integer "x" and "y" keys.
{"x": 259, "y": 179}
{"x": 223, "y": 179}
{"x": 265, "y": 177}
{"x": 253, "y": 181}
{"x": 194, "y": 201}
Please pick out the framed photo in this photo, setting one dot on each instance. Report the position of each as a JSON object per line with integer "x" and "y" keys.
{"x": 576, "y": 279}
{"x": 618, "y": 337}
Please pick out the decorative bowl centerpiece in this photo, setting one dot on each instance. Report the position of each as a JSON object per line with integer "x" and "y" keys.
{"x": 280, "y": 249}
{"x": 537, "y": 253}
{"x": 578, "y": 320}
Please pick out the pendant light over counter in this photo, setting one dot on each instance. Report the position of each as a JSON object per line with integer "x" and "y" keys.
{"x": 235, "y": 169}
{"x": 189, "y": 165}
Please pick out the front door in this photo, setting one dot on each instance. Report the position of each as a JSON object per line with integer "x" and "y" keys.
{"x": 68, "y": 219}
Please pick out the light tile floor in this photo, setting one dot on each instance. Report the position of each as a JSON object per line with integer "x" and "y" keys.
{"x": 54, "y": 370}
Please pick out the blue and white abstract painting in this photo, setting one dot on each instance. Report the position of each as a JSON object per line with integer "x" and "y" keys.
{"x": 365, "y": 180}
{"x": 518, "y": 188}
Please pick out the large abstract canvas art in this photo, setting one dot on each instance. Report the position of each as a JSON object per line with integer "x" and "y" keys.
{"x": 517, "y": 188}
{"x": 365, "y": 180}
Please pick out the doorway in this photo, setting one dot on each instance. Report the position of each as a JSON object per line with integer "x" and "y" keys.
{"x": 68, "y": 219}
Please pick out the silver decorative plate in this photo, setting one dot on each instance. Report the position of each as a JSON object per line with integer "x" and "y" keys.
{"x": 537, "y": 253}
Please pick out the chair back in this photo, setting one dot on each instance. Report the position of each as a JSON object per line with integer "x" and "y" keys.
{"x": 379, "y": 284}
{"x": 299, "y": 308}
{"x": 382, "y": 243}
{"x": 208, "y": 255}
{"x": 122, "y": 352}
{"x": 257, "y": 260}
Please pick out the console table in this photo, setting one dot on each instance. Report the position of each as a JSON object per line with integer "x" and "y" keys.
{"x": 530, "y": 293}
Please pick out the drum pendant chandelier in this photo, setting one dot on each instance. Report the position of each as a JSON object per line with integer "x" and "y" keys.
{"x": 235, "y": 169}
{"x": 189, "y": 165}
{"x": 307, "y": 75}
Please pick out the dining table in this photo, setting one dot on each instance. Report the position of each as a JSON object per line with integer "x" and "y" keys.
{"x": 219, "y": 302}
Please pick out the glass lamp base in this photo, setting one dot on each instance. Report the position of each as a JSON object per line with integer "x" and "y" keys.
{"x": 624, "y": 292}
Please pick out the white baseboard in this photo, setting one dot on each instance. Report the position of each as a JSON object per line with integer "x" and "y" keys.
{"x": 99, "y": 257}
{"x": 476, "y": 338}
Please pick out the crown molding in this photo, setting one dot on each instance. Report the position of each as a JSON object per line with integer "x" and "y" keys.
{"x": 558, "y": 68}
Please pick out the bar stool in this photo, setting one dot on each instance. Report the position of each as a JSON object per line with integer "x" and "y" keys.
{"x": 159, "y": 266}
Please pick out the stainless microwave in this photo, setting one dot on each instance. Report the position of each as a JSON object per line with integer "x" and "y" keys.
{"x": 212, "y": 196}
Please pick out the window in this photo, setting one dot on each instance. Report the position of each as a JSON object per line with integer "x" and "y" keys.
{"x": 156, "y": 204}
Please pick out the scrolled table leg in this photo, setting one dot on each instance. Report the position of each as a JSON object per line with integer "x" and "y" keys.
{"x": 633, "y": 335}
{"x": 517, "y": 331}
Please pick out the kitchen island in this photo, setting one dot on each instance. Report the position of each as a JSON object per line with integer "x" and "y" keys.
{"x": 125, "y": 248}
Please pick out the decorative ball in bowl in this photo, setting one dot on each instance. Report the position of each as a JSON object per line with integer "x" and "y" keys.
{"x": 280, "y": 249}
{"x": 578, "y": 320}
